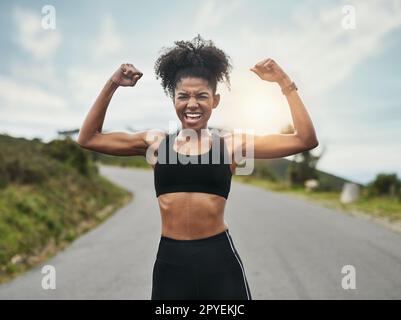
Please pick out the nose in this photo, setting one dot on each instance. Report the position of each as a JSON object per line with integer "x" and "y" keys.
{"x": 192, "y": 102}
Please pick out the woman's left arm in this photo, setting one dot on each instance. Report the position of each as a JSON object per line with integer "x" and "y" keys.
{"x": 282, "y": 145}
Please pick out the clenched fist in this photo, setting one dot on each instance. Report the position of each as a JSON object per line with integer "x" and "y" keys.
{"x": 269, "y": 70}
{"x": 127, "y": 75}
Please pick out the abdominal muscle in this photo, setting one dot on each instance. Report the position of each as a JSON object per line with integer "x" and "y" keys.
{"x": 191, "y": 215}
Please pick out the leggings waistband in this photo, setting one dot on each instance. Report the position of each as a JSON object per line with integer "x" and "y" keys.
{"x": 219, "y": 236}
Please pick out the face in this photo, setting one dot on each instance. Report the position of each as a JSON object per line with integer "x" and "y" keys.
{"x": 194, "y": 101}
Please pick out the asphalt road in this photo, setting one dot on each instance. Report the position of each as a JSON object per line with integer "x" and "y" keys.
{"x": 291, "y": 249}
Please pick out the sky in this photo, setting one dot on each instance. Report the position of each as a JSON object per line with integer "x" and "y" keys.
{"x": 343, "y": 56}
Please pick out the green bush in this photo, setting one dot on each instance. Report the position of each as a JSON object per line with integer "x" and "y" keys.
{"x": 25, "y": 171}
{"x": 264, "y": 173}
{"x": 22, "y": 163}
{"x": 299, "y": 172}
{"x": 70, "y": 153}
{"x": 126, "y": 161}
{"x": 384, "y": 184}
{"x": 3, "y": 173}
{"x": 47, "y": 191}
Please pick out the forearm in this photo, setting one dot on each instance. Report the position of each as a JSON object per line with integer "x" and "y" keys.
{"x": 93, "y": 122}
{"x": 302, "y": 123}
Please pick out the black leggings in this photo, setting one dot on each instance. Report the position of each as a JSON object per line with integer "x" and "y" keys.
{"x": 208, "y": 268}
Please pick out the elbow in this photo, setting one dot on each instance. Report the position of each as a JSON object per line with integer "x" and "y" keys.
{"x": 89, "y": 142}
{"x": 84, "y": 140}
{"x": 308, "y": 143}
{"x": 312, "y": 144}
{"x": 84, "y": 143}
{"x": 80, "y": 142}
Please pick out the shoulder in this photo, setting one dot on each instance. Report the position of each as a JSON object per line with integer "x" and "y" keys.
{"x": 154, "y": 137}
{"x": 232, "y": 139}
{"x": 232, "y": 142}
{"x": 236, "y": 142}
{"x": 153, "y": 134}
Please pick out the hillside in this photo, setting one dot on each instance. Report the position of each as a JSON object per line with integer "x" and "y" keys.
{"x": 49, "y": 194}
{"x": 278, "y": 168}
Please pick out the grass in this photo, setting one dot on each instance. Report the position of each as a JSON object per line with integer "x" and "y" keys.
{"x": 128, "y": 161}
{"x": 50, "y": 194}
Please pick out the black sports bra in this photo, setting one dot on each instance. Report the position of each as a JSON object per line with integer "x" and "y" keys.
{"x": 207, "y": 172}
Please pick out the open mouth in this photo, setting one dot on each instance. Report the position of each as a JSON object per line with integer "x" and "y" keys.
{"x": 193, "y": 116}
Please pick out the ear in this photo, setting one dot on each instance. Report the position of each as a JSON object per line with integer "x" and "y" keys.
{"x": 216, "y": 100}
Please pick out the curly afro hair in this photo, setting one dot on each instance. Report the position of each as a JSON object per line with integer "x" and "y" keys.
{"x": 196, "y": 58}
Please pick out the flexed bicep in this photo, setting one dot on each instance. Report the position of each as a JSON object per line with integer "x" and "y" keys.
{"x": 269, "y": 146}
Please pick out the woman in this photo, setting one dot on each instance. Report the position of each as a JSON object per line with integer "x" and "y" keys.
{"x": 196, "y": 258}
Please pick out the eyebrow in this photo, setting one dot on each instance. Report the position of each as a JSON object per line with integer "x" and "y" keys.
{"x": 185, "y": 92}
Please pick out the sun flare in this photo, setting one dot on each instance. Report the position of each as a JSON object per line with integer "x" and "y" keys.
{"x": 255, "y": 106}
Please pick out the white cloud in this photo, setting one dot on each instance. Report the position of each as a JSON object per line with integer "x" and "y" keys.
{"x": 85, "y": 83}
{"x": 28, "y": 97}
{"x": 44, "y": 74}
{"x": 108, "y": 41}
{"x": 315, "y": 48}
{"x": 341, "y": 160}
{"x": 27, "y": 108}
{"x": 30, "y": 35}
{"x": 213, "y": 12}
{"x": 141, "y": 106}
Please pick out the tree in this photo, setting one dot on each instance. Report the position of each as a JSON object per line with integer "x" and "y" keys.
{"x": 384, "y": 184}
{"x": 303, "y": 166}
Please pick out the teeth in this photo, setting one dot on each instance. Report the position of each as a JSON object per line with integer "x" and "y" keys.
{"x": 193, "y": 115}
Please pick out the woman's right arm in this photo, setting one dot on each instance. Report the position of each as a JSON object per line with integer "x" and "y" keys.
{"x": 115, "y": 143}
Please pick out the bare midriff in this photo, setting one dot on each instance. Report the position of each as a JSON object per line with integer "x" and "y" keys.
{"x": 191, "y": 215}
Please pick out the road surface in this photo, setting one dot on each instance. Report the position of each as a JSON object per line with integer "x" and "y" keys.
{"x": 291, "y": 249}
